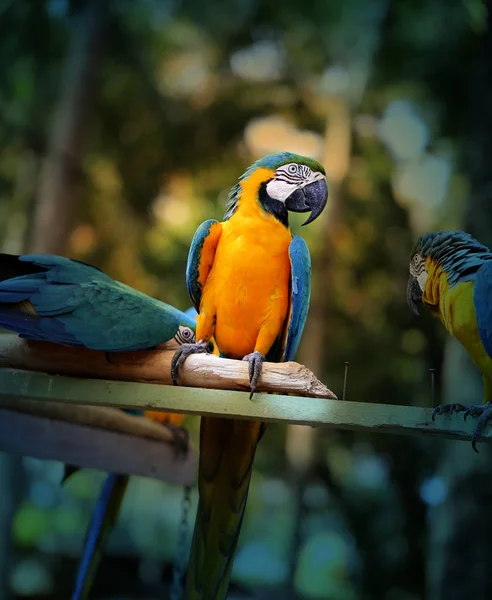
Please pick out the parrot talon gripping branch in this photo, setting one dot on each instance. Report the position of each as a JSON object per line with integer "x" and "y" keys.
{"x": 182, "y": 354}
{"x": 443, "y": 409}
{"x": 255, "y": 362}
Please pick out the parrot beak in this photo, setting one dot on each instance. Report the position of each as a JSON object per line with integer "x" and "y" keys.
{"x": 414, "y": 295}
{"x": 312, "y": 197}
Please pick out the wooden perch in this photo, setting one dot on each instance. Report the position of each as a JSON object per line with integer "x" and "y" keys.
{"x": 92, "y": 437}
{"x": 92, "y": 416}
{"x": 154, "y": 366}
{"x": 357, "y": 416}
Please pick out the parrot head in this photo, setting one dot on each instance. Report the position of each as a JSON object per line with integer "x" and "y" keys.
{"x": 455, "y": 254}
{"x": 280, "y": 183}
{"x": 187, "y": 326}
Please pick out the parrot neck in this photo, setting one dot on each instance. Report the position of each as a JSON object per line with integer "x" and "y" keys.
{"x": 250, "y": 198}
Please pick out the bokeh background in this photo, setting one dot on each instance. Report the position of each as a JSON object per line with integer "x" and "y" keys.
{"x": 123, "y": 125}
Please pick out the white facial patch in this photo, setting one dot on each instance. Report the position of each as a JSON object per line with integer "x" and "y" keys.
{"x": 418, "y": 270}
{"x": 280, "y": 190}
{"x": 422, "y": 279}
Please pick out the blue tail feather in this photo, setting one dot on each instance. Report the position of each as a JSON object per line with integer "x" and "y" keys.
{"x": 103, "y": 518}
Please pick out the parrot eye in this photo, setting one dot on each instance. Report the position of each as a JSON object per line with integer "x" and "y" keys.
{"x": 292, "y": 169}
{"x": 185, "y": 335}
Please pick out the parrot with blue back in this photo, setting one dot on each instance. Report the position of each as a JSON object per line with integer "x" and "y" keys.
{"x": 451, "y": 274}
{"x": 55, "y": 299}
{"x": 64, "y": 301}
{"x": 249, "y": 280}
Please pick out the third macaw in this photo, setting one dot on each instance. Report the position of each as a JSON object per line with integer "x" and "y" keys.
{"x": 249, "y": 280}
{"x": 451, "y": 273}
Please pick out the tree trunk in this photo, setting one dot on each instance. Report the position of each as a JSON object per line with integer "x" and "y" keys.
{"x": 461, "y": 544}
{"x": 57, "y": 200}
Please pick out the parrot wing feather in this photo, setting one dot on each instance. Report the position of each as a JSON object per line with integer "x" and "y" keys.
{"x": 64, "y": 301}
{"x": 102, "y": 522}
{"x": 300, "y": 261}
{"x": 482, "y": 300}
{"x": 201, "y": 258}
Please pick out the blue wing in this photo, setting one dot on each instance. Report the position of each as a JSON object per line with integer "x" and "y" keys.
{"x": 56, "y": 299}
{"x": 300, "y": 262}
{"x": 200, "y": 258}
{"x": 482, "y": 300}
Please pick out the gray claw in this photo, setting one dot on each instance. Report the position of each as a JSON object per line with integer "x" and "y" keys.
{"x": 182, "y": 354}
{"x": 442, "y": 409}
{"x": 255, "y": 363}
{"x": 482, "y": 411}
{"x": 485, "y": 412}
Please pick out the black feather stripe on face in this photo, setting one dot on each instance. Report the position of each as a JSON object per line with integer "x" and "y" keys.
{"x": 274, "y": 207}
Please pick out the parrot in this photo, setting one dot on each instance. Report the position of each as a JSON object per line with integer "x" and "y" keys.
{"x": 51, "y": 298}
{"x": 56, "y": 299}
{"x": 451, "y": 274}
{"x": 250, "y": 281}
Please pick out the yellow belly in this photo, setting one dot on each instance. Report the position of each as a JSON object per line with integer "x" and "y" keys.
{"x": 248, "y": 287}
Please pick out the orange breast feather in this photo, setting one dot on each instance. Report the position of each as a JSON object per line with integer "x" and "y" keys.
{"x": 248, "y": 288}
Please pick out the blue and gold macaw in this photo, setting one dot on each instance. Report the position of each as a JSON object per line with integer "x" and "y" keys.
{"x": 249, "y": 280}
{"x": 451, "y": 273}
{"x": 64, "y": 301}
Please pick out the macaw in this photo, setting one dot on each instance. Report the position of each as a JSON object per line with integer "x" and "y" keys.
{"x": 451, "y": 273}
{"x": 56, "y": 299}
{"x": 249, "y": 280}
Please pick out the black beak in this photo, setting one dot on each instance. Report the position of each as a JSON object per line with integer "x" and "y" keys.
{"x": 312, "y": 197}
{"x": 414, "y": 294}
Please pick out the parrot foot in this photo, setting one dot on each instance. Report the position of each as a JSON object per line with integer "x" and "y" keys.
{"x": 484, "y": 414}
{"x": 443, "y": 409}
{"x": 181, "y": 440}
{"x": 182, "y": 354}
{"x": 482, "y": 411}
{"x": 255, "y": 363}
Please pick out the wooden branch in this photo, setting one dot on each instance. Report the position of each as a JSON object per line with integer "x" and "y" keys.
{"x": 92, "y": 416}
{"x": 357, "y": 416}
{"x": 155, "y": 366}
{"x": 89, "y": 447}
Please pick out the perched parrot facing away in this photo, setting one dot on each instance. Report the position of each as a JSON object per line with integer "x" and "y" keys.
{"x": 451, "y": 273}
{"x": 55, "y": 299}
{"x": 249, "y": 280}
